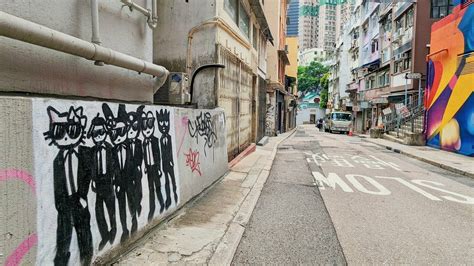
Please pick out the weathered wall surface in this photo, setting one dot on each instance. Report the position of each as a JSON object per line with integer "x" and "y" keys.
{"x": 178, "y": 23}
{"x": 81, "y": 179}
{"x": 29, "y": 68}
{"x": 17, "y": 184}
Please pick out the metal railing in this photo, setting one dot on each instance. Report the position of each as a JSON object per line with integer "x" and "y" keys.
{"x": 412, "y": 122}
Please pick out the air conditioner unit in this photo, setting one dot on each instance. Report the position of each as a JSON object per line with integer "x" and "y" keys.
{"x": 175, "y": 91}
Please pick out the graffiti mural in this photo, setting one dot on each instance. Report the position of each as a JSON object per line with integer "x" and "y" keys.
{"x": 450, "y": 83}
{"x": 203, "y": 127}
{"x": 192, "y": 160}
{"x": 270, "y": 116}
{"x": 105, "y": 165}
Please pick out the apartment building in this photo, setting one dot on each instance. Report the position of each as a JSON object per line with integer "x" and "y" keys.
{"x": 279, "y": 94}
{"x": 383, "y": 49}
{"x": 230, "y": 32}
{"x": 321, "y": 23}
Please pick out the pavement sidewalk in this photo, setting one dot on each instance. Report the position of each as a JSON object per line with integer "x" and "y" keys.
{"x": 208, "y": 229}
{"x": 450, "y": 161}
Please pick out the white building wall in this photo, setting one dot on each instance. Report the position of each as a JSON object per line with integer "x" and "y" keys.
{"x": 34, "y": 69}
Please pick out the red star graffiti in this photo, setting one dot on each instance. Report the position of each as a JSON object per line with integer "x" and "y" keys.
{"x": 192, "y": 160}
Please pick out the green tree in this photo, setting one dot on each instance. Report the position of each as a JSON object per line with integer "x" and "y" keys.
{"x": 310, "y": 77}
{"x": 323, "y": 94}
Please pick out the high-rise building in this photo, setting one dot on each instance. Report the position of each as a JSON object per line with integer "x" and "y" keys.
{"x": 321, "y": 21}
{"x": 293, "y": 18}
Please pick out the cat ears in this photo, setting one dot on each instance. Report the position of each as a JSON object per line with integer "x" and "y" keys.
{"x": 54, "y": 115}
{"x": 74, "y": 115}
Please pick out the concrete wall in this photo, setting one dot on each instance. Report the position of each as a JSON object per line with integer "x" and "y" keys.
{"x": 33, "y": 69}
{"x": 176, "y": 19}
{"x": 303, "y": 115}
{"x": 40, "y": 201}
{"x": 292, "y": 69}
{"x": 272, "y": 55}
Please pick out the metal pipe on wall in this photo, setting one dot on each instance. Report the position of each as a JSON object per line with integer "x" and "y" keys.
{"x": 95, "y": 26}
{"x": 152, "y": 15}
{"x": 95, "y": 22}
{"x": 23, "y": 30}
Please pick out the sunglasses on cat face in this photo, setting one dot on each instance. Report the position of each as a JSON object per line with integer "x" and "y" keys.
{"x": 72, "y": 130}
{"x": 148, "y": 123}
{"x": 135, "y": 126}
{"x": 98, "y": 132}
{"x": 116, "y": 132}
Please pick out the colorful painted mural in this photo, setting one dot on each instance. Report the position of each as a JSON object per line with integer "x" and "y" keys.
{"x": 449, "y": 97}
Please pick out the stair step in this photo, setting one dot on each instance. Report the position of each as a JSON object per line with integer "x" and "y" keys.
{"x": 390, "y": 137}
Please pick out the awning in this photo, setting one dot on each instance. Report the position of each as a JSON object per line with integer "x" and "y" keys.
{"x": 397, "y": 96}
{"x": 376, "y": 62}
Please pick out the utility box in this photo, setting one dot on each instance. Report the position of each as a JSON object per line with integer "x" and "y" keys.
{"x": 175, "y": 91}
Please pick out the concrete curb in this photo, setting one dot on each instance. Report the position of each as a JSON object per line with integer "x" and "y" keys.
{"x": 438, "y": 164}
{"x": 251, "y": 148}
{"x": 224, "y": 253}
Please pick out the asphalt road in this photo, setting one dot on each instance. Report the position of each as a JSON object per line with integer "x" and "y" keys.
{"x": 335, "y": 199}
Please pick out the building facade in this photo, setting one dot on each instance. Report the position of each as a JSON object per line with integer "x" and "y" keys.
{"x": 279, "y": 95}
{"x": 383, "y": 49}
{"x": 230, "y": 32}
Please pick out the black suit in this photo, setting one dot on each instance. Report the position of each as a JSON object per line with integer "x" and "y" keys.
{"x": 135, "y": 153}
{"x": 153, "y": 169}
{"x": 121, "y": 182}
{"x": 102, "y": 175}
{"x": 71, "y": 212}
{"x": 168, "y": 171}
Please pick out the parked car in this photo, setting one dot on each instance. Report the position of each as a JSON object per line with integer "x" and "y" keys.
{"x": 338, "y": 122}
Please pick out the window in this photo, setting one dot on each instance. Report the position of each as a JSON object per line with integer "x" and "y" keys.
{"x": 244, "y": 21}
{"x": 409, "y": 18}
{"x": 255, "y": 37}
{"x": 441, "y": 8}
{"x": 375, "y": 46}
{"x": 232, "y": 7}
{"x": 239, "y": 15}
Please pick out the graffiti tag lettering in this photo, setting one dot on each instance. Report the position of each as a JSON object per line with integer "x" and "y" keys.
{"x": 203, "y": 127}
{"x": 192, "y": 160}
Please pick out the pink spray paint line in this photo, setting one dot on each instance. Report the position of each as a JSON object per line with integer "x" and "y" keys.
{"x": 9, "y": 174}
{"x": 23, "y": 249}
{"x": 184, "y": 124}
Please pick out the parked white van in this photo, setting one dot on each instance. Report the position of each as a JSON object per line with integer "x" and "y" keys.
{"x": 338, "y": 122}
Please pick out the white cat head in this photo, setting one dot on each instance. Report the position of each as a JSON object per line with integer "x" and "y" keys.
{"x": 66, "y": 130}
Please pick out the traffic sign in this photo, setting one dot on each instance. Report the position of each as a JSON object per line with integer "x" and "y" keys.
{"x": 413, "y": 76}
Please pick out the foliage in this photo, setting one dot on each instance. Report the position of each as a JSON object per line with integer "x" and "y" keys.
{"x": 314, "y": 77}
{"x": 323, "y": 95}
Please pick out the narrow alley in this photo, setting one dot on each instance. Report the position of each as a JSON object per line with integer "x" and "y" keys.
{"x": 331, "y": 198}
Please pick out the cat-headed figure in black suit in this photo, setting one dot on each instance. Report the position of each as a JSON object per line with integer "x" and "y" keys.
{"x": 117, "y": 127}
{"x": 163, "y": 118}
{"x": 102, "y": 180}
{"x": 152, "y": 158}
{"x": 71, "y": 170}
{"x": 135, "y": 152}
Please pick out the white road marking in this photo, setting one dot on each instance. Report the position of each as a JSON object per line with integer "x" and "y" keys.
{"x": 426, "y": 183}
{"x": 331, "y": 181}
{"x": 412, "y": 187}
{"x": 381, "y": 189}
